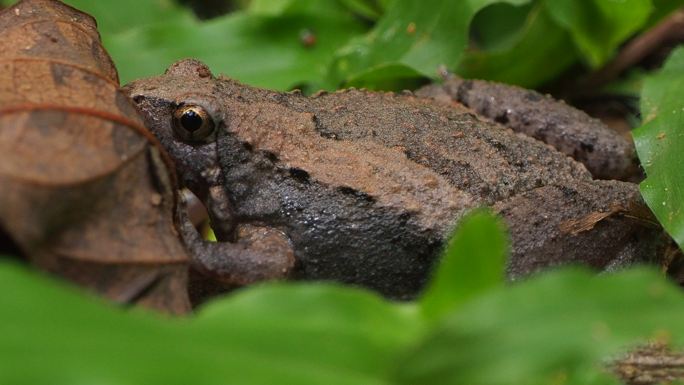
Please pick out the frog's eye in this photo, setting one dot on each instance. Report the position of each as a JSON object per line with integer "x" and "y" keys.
{"x": 192, "y": 123}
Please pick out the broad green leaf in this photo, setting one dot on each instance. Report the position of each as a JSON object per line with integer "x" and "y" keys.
{"x": 659, "y": 143}
{"x": 558, "y": 328}
{"x": 274, "y": 334}
{"x": 540, "y": 53}
{"x": 472, "y": 264}
{"x": 259, "y": 50}
{"x": 497, "y": 26}
{"x": 422, "y": 36}
{"x": 275, "y": 8}
{"x": 270, "y": 7}
{"x": 389, "y": 77}
{"x": 262, "y": 47}
{"x": 123, "y": 15}
{"x": 663, "y": 8}
{"x": 599, "y": 26}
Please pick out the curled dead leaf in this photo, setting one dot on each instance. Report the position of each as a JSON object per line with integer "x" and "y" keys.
{"x": 86, "y": 193}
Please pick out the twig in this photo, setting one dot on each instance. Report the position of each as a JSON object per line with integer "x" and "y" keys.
{"x": 669, "y": 29}
{"x": 649, "y": 365}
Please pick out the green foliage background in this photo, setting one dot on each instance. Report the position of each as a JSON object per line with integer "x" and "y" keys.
{"x": 468, "y": 327}
{"x": 659, "y": 142}
{"x": 549, "y": 330}
{"x": 388, "y": 44}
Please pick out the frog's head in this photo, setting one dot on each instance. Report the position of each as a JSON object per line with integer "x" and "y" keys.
{"x": 180, "y": 108}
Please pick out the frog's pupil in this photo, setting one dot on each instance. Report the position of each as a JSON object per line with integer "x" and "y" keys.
{"x": 191, "y": 120}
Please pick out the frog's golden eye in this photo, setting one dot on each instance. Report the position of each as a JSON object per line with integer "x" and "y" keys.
{"x": 192, "y": 123}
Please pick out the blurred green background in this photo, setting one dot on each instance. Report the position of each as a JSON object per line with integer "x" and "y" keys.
{"x": 379, "y": 44}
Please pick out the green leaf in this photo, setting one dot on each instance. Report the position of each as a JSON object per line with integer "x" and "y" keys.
{"x": 303, "y": 334}
{"x": 262, "y": 45}
{"x": 599, "y": 26}
{"x": 270, "y": 7}
{"x": 420, "y": 35}
{"x": 555, "y": 329}
{"x": 389, "y": 77}
{"x": 113, "y": 18}
{"x": 659, "y": 143}
{"x": 261, "y": 51}
{"x": 540, "y": 52}
{"x": 473, "y": 263}
{"x": 275, "y": 8}
{"x": 497, "y": 26}
{"x": 663, "y": 8}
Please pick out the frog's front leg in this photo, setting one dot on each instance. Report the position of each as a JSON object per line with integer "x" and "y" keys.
{"x": 221, "y": 214}
{"x": 258, "y": 253}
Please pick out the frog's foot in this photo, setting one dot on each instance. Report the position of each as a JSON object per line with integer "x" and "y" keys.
{"x": 600, "y": 224}
{"x": 259, "y": 254}
{"x": 604, "y": 152}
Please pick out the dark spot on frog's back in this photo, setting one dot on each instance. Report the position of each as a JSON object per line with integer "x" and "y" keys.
{"x": 270, "y": 156}
{"x": 404, "y": 218}
{"x": 322, "y": 130}
{"x": 502, "y": 118}
{"x": 588, "y": 147}
{"x": 328, "y": 135}
{"x": 356, "y": 193}
{"x": 299, "y": 175}
{"x": 498, "y": 145}
{"x": 568, "y": 192}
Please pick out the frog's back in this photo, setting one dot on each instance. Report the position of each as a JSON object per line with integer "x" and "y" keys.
{"x": 477, "y": 156}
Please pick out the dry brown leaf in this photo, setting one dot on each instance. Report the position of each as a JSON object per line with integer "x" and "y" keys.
{"x": 635, "y": 212}
{"x": 85, "y": 191}
{"x": 587, "y": 222}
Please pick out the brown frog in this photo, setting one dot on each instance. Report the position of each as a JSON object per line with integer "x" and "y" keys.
{"x": 364, "y": 187}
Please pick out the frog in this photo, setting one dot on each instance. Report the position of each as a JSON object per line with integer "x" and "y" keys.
{"x": 365, "y": 187}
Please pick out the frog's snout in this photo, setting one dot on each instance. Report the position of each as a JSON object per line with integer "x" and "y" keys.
{"x": 131, "y": 90}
